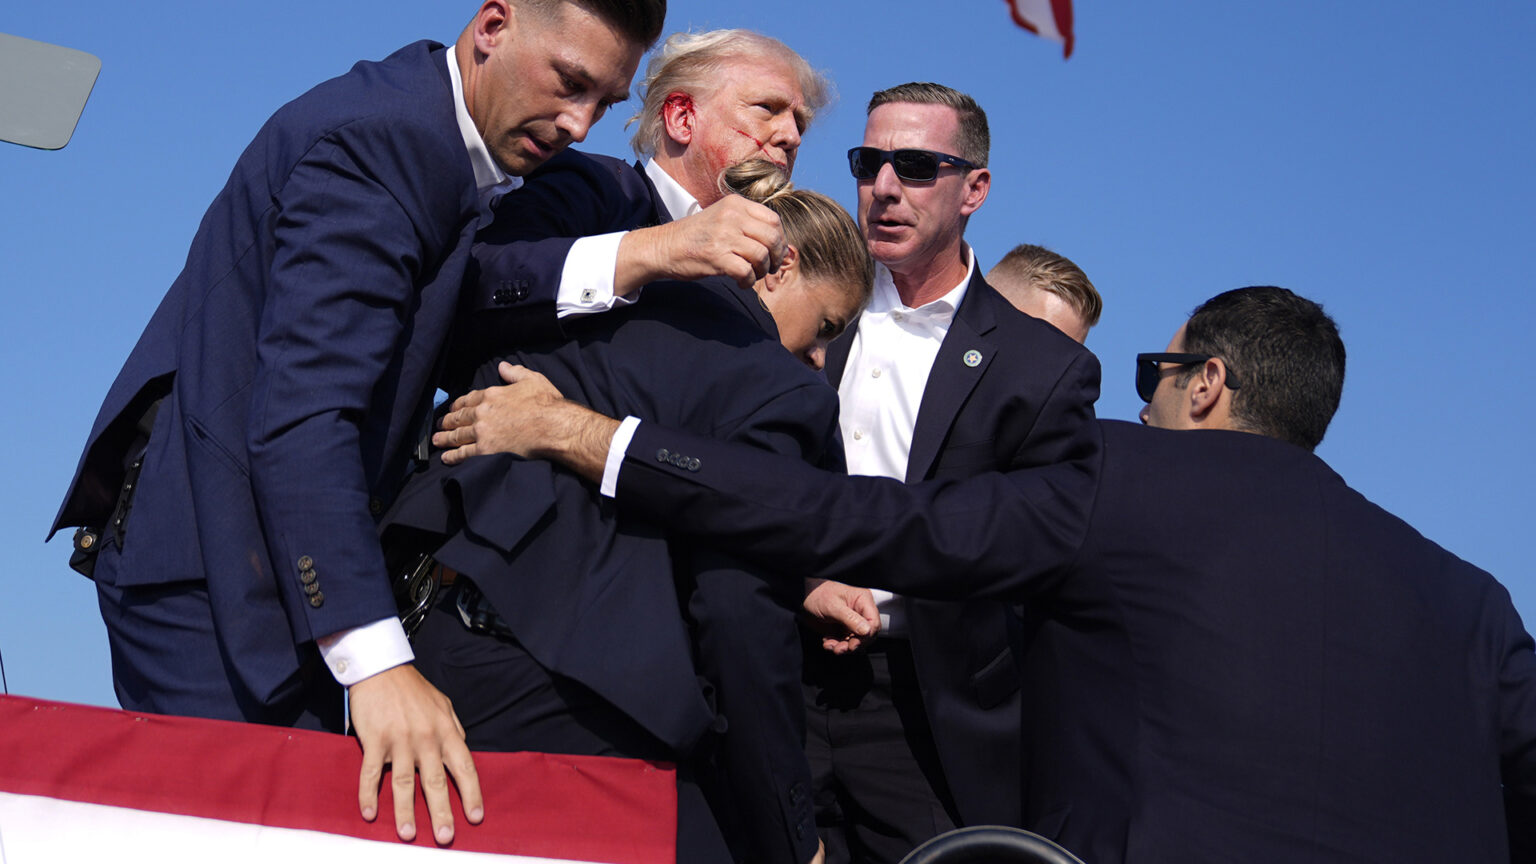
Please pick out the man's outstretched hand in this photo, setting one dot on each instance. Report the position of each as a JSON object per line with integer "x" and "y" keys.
{"x": 406, "y": 723}
{"x": 526, "y": 416}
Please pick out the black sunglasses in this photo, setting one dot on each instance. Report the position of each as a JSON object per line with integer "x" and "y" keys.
{"x": 1148, "y": 372}
{"x": 914, "y": 166}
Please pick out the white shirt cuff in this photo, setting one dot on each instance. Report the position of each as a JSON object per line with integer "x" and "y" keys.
{"x": 616, "y": 449}
{"x": 586, "y": 279}
{"x": 365, "y": 651}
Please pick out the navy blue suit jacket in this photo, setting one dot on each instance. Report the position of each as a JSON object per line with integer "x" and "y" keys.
{"x": 593, "y": 595}
{"x": 682, "y": 366}
{"x": 295, "y": 350}
{"x": 522, "y": 253}
{"x": 1028, "y": 402}
{"x": 1260, "y": 664}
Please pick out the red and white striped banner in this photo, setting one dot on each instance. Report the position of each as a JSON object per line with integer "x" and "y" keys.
{"x": 79, "y": 783}
{"x": 1048, "y": 19}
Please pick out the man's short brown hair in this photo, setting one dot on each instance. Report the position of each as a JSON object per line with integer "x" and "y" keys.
{"x": 974, "y": 140}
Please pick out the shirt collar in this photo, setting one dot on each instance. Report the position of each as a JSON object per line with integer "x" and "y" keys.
{"x": 488, "y": 175}
{"x": 887, "y": 299}
{"x": 673, "y": 196}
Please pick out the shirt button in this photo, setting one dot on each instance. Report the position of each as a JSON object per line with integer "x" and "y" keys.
{"x": 858, "y": 434}
{"x": 898, "y": 316}
{"x": 341, "y": 667}
{"x": 875, "y": 372}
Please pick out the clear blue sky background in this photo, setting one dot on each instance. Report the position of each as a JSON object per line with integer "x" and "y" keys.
{"x": 1374, "y": 156}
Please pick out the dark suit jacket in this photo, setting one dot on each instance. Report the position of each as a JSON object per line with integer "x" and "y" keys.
{"x": 685, "y": 370}
{"x": 523, "y": 251}
{"x": 1264, "y": 666}
{"x": 593, "y": 596}
{"x": 1027, "y": 402}
{"x": 295, "y": 351}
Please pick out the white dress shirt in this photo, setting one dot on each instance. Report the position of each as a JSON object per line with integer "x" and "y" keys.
{"x": 882, "y": 387}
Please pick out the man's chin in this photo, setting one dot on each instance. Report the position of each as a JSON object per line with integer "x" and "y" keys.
{"x": 524, "y": 158}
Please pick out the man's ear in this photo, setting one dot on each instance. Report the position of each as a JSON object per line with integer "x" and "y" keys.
{"x": 1206, "y": 392}
{"x": 677, "y": 117}
{"x": 492, "y": 23}
{"x": 978, "y": 183}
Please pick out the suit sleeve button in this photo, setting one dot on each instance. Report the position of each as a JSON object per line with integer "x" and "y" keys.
{"x": 317, "y": 599}
{"x": 694, "y": 463}
{"x": 662, "y": 455}
{"x": 306, "y": 562}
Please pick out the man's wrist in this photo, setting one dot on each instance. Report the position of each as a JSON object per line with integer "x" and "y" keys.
{"x": 579, "y": 440}
{"x": 618, "y": 445}
{"x": 637, "y": 261}
{"x": 362, "y": 652}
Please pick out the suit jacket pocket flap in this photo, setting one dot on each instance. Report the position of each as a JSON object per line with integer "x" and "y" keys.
{"x": 997, "y": 680}
{"x": 501, "y": 498}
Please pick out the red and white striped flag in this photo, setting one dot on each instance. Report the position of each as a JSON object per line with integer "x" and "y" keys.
{"x": 1048, "y": 19}
{"x": 79, "y": 783}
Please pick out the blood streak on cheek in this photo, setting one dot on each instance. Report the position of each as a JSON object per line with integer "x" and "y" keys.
{"x": 762, "y": 147}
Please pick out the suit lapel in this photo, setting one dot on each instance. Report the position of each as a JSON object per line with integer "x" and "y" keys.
{"x": 837, "y": 354}
{"x": 963, "y": 358}
{"x": 658, "y": 208}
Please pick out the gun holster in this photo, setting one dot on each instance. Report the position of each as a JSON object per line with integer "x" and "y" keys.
{"x": 88, "y": 540}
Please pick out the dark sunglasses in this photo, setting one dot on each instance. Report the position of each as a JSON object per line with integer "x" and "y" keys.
{"x": 914, "y": 166}
{"x": 1148, "y": 372}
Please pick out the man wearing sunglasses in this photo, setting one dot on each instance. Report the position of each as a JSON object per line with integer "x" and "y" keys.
{"x": 940, "y": 378}
{"x": 1256, "y": 663}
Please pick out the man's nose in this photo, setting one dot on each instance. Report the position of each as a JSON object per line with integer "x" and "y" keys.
{"x": 887, "y": 184}
{"x": 577, "y": 121}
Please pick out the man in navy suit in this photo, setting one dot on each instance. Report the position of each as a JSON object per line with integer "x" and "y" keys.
{"x": 1251, "y": 661}
{"x": 229, "y": 486}
{"x": 940, "y": 378}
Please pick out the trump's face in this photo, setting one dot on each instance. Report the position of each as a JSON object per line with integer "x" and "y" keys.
{"x": 755, "y": 110}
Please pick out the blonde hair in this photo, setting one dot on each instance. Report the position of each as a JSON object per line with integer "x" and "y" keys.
{"x": 1030, "y": 266}
{"x": 829, "y": 243}
{"x": 691, "y": 62}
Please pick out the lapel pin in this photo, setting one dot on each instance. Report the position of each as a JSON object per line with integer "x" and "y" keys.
{"x": 972, "y": 358}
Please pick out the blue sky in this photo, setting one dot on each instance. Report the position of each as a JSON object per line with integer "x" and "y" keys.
{"x": 1375, "y": 157}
